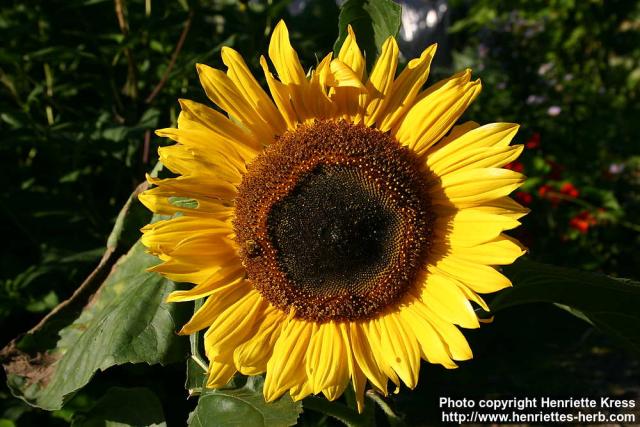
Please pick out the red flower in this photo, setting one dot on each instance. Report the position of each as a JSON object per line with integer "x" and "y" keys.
{"x": 534, "y": 141}
{"x": 570, "y": 190}
{"x": 547, "y": 192}
{"x": 515, "y": 166}
{"x": 523, "y": 197}
{"x": 543, "y": 190}
{"x": 582, "y": 221}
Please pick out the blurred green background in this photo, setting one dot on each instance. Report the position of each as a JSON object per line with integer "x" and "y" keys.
{"x": 85, "y": 82}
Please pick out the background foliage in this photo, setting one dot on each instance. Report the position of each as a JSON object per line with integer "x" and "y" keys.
{"x": 85, "y": 82}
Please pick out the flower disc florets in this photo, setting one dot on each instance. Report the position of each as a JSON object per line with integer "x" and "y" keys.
{"x": 333, "y": 220}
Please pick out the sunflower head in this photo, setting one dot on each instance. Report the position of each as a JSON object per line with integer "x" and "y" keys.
{"x": 339, "y": 228}
{"x": 333, "y": 221}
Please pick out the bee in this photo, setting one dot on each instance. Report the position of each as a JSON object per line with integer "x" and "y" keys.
{"x": 252, "y": 248}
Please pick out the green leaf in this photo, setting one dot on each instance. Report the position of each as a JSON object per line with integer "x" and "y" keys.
{"x": 124, "y": 234}
{"x": 608, "y": 303}
{"x": 124, "y": 407}
{"x": 373, "y": 21}
{"x": 196, "y": 375}
{"x": 127, "y": 321}
{"x": 345, "y": 414}
{"x": 244, "y": 406}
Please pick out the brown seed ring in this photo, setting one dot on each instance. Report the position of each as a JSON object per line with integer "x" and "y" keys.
{"x": 333, "y": 220}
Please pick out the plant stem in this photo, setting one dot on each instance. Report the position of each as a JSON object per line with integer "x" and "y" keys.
{"x": 131, "y": 85}
{"x": 336, "y": 410}
{"x": 172, "y": 61}
{"x": 394, "y": 420}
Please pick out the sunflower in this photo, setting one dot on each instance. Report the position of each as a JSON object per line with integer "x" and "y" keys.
{"x": 339, "y": 230}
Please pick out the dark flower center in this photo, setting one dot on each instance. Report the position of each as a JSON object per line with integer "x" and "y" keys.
{"x": 333, "y": 231}
{"x": 333, "y": 221}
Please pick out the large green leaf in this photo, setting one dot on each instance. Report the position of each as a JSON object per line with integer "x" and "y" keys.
{"x": 116, "y": 316}
{"x": 610, "y": 304}
{"x": 244, "y": 406}
{"x": 127, "y": 321}
{"x": 373, "y": 22}
{"x": 124, "y": 234}
{"x": 124, "y": 407}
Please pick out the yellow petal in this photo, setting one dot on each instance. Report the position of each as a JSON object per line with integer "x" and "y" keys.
{"x": 351, "y": 55}
{"x": 300, "y": 391}
{"x": 472, "y": 296}
{"x": 405, "y": 89}
{"x": 456, "y": 132}
{"x": 168, "y": 202}
{"x": 348, "y": 98}
{"x": 239, "y": 73}
{"x": 432, "y": 347}
{"x": 188, "y": 161}
{"x": 284, "y": 57}
{"x": 476, "y": 186}
{"x": 209, "y": 279}
{"x": 197, "y": 116}
{"x": 479, "y": 277}
{"x": 468, "y": 137}
{"x": 503, "y": 250}
{"x": 400, "y": 348}
{"x": 164, "y": 236}
{"x": 359, "y": 382}
{"x": 334, "y": 392}
{"x": 199, "y": 250}
{"x": 343, "y": 76}
{"x": 195, "y": 272}
{"x": 363, "y": 356}
{"x": 372, "y": 333}
{"x": 224, "y": 93}
{"x": 230, "y": 161}
{"x": 345, "y": 88}
{"x": 285, "y": 369}
{"x": 358, "y": 378}
{"x": 456, "y": 343}
{"x": 380, "y": 81}
{"x": 234, "y": 325}
{"x": 197, "y": 186}
{"x": 447, "y": 300}
{"x": 323, "y": 74}
{"x": 431, "y": 117}
{"x": 219, "y": 374}
{"x": 281, "y": 96}
{"x": 472, "y": 226}
{"x": 290, "y": 71}
{"x": 214, "y": 305}
{"x": 327, "y": 359}
{"x": 477, "y": 158}
{"x": 252, "y": 356}
{"x": 316, "y": 101}
{"x": 504, "y": 206}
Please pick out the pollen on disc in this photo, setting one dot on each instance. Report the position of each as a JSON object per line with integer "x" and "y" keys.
{"x": 333, "y": 220}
